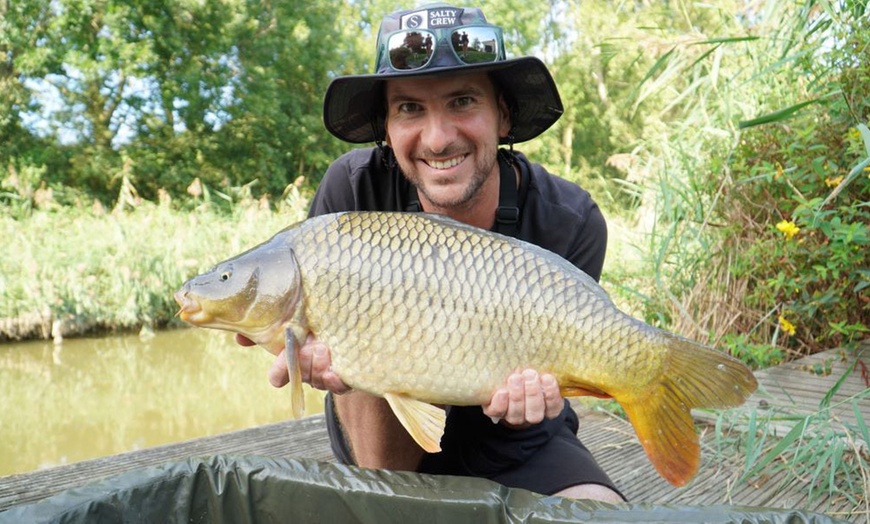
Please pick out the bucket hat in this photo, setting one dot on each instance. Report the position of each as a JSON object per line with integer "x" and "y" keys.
{"x": 437, "y": 40}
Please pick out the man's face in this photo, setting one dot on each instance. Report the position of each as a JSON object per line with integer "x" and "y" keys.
{"x": 444, "y": 133}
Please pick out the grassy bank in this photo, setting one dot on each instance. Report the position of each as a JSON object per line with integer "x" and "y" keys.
{"x": 75, "y": 270}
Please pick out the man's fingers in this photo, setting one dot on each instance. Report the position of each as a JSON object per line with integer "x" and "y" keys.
{"x": 552, "y": 396}
{"x": 534, "y": 397}
{"x": 528, "y": 398}
{"x": 497, "y": 407}
{"x": 320, "y": 362}
{"x": 315, "y": 364}
{"x": 516, "y": 412}
{"x": 332, "y": 383}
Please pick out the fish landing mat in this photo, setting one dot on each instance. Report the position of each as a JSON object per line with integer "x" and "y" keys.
{"x": 258, "y": 489}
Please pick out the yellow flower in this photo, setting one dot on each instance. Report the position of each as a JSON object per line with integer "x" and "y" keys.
{"x": 786, "y": 326}
{"x": 779, "y": 171}
{"x": 834, "y": 182}
{"x": 788, "y": 228}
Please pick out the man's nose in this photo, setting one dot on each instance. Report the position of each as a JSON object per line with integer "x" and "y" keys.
{"x": 439, "y": 132}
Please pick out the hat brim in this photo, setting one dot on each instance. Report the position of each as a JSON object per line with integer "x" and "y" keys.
{"x": 352, "y": 105}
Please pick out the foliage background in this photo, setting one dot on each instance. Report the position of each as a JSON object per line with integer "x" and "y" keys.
{"x": 727, "y": 143}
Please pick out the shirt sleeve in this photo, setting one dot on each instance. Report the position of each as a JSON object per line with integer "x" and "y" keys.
{"x": 562, "y": 217}
{"x": 590, "y": 244}
{"x": 335, "y": 192}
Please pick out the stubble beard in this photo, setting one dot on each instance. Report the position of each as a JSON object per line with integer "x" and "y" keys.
{"x": 466, "y": 199}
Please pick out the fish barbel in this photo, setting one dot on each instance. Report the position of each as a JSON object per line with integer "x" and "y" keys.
{"x": 422, "y": 310}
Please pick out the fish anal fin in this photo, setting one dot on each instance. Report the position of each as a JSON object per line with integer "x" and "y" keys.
{"x": 578, "y": 390}
{"x": 423, "y": 421}
{"x": 692, "y": 376}
{"x": 291, "y": 352}
{"x": 667, "y": 433}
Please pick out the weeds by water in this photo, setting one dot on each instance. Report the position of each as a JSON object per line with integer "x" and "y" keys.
{"x": 754, "y": 201}
{"x": 78, "y": 269}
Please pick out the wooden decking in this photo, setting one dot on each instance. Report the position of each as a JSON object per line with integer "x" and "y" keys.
{"x": 794, "y": 388}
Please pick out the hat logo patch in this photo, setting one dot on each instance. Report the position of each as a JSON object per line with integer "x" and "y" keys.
{"x": 444, "y": 17}
{"x": 432, "y": 18}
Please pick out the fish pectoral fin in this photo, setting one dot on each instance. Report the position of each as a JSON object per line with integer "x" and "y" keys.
{"x": 423, "y": 421}
{"x": 291, "y": 354}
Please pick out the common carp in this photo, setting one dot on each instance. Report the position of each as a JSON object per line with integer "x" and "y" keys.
{"x": 422, "y": 310}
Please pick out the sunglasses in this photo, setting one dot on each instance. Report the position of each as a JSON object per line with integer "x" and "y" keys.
{"x": 412, "y": 49}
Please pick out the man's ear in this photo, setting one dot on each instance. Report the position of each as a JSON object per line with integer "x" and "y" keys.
{"x": 504, "y": 121}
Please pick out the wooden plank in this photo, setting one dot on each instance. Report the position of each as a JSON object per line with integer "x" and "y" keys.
{"x": 792, "y": 390}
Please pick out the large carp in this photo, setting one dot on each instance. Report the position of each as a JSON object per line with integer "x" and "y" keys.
{"x": 422, "y": 310}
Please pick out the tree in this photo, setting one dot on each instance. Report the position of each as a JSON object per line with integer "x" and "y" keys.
{"x": 23, "y": 54}
{"x": 160, "y": 92}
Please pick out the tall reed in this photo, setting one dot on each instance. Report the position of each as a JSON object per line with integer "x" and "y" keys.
{"x": 755, "y": 208}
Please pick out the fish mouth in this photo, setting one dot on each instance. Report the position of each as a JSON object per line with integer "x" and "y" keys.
{"x": 190, "y": 310}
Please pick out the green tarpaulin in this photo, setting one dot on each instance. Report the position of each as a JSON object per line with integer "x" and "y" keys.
{"x": 261, "y": 490}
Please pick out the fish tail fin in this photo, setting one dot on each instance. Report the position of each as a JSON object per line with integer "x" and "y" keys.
{"x": 693, "y": 376}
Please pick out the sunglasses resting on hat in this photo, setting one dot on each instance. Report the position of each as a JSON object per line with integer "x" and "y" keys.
{"x": 413, "y": 49}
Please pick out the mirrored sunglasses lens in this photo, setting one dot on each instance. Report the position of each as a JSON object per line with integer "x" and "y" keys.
{"x": 410, "y": 50}
{"x": 475, "y": 45}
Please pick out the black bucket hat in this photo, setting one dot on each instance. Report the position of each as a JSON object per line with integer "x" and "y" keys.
{"x": 433, "y": 40}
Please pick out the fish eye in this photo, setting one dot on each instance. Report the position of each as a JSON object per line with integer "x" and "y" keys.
{"x": 226, "y": 275}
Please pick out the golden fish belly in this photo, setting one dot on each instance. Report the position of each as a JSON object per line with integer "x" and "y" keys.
{"x": 445, "y": 314}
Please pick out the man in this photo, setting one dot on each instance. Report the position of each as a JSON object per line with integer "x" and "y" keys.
{"x": 441, "y": 101}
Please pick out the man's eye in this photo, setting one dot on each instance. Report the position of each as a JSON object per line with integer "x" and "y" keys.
{"x": 408, "y": 107}
{"x": 463, "y": 101}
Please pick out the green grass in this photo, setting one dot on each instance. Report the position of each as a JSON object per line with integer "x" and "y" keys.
{"x": 75, "y": 270}
{"x": 823, "y": 452}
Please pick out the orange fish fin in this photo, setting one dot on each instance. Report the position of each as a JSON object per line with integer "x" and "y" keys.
{"x": 423, "y": 421}
{"x": 667, "y": 433}
{"x": 291, "y": 352}
{"x": 692, "y": 376}
{"x": 579, "y": 390}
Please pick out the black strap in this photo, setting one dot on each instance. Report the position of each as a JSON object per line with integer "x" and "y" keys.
{"x": 507, "y": 216}
{"x": 413, "y": 202}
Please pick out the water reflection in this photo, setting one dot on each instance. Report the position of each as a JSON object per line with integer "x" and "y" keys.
{"x": 89, "y": 398}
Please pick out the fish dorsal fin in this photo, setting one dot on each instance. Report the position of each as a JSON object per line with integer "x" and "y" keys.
{"x": 423, "y": 421}
{"x": 291, "y": 350}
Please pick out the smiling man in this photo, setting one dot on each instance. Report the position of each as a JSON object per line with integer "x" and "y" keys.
{"x": 441, "y": 102}
{"x": 444, "y": 136}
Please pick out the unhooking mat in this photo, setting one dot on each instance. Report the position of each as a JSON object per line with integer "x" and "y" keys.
{"x": 261, "y": 490}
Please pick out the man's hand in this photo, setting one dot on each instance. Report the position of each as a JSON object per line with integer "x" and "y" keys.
{"x": 526, "y": 399}
{"x": 314, "y": 362}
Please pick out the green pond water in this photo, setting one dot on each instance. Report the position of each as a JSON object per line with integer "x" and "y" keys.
{"x": 92, "y": 397}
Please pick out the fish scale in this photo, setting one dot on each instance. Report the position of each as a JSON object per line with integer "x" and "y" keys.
{"x": 385, "y": 248}
{"x": 423, "y": 310}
